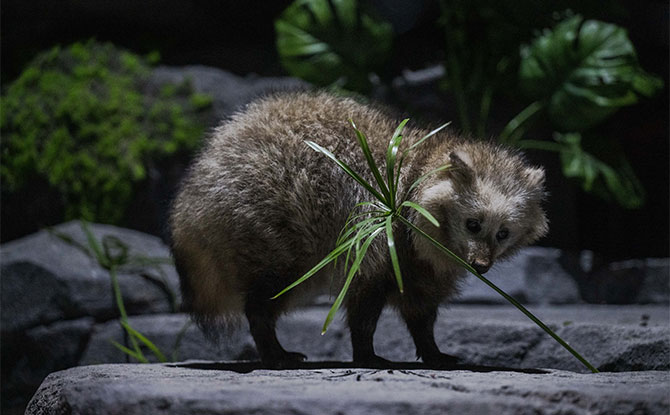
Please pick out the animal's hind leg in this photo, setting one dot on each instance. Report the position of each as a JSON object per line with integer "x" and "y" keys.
{"x": 363, "y": 311}
{"x": 262, "y": 313}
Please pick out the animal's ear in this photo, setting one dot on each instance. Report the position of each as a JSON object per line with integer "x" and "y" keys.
{"x": 535, "y": 176}
{"x": 460, "y": 166}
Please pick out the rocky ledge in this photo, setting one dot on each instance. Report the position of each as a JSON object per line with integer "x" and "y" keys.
{"x": 158, "y": 388}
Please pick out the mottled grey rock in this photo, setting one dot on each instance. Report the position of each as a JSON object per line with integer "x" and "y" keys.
{"x": 174, "y": 334}
{"x": 45, "y": 279}
{"x": 27, "y": 358}
{"x": 153, "y": 389}
{"x": 536, "y": 275}
{"x": 635, "y": 281}
{"x": 229, "y": 91}
{"x": 610, "y": 348}
{"x": 655, "y": 275}
{"x": 615, "y": 338}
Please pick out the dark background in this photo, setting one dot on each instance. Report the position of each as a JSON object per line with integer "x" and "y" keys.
{"x": 238, "y": 36}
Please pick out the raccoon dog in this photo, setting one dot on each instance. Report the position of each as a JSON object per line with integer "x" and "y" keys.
{"x": 259, "y": 208}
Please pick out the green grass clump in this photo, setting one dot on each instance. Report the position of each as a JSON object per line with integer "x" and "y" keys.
{"x": 361, "y": 229}
{"x": 113, "y": 255}
{"x": 83, "y": 120}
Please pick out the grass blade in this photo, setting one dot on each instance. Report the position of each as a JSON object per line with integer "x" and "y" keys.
{"x": 339, "y": 250}
{"x": 139, "y": 336}
{"x": 137, "y": 355}
{"x": 69, "y": 240}
{"x": 393, "y": 252}
{"x": 425, "y": 137}
{"x": 507, "y": 297}
{"x": 347, "y": 170}
{"x": 360, "y": 254}
{"x": 355, "y": 228}
{"x": 424, "y": 177}
{"x": 412, "y": 147}
{"x": 363, "y": 142}
{"x": 422, "y": 211}
{"x": 344, "y": 232}
{"x": 95, "y": 246}
{"x": 391, "y": 155}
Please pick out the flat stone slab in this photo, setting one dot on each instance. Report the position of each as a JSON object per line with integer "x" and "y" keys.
{"x": 158, "y": 388}
{"x": 618, "y": 338}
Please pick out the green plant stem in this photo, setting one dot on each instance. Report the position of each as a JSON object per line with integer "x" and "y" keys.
{"x": 516, "y": 128}
{"x": 484, "y": 108}
{"x": 454, "y": 73}
{"x": 508, "y": 297}
{"x": 122, "y": 311}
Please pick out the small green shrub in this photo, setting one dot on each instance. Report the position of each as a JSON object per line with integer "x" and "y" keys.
{"x": 83, "y": 119}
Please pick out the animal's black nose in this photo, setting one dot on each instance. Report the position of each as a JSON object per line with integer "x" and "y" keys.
{"x": 480, "y": 266}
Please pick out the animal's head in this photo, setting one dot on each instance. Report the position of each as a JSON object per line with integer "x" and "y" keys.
{"x": 488, "y": 205}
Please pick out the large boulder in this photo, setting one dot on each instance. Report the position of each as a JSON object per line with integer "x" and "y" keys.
{"x": 159, "y": 389}
{"x": 536, "y": 275}
{"x": 612, "y": 338}
{"x": 229, "y": 92}
{"x": 635, "y": 281}
{"x": 148, "y": 212}
{"x": 47, "y": 279}
{"x": 53, "y": 293}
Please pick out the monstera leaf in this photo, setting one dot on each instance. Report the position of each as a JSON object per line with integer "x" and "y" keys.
{"x": 584, "y": 71}
{"x": 330, "y": 42}
{"x": 610, "y": 178}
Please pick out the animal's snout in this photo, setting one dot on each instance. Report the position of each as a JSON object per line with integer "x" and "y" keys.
{"x": 481, "y": 265}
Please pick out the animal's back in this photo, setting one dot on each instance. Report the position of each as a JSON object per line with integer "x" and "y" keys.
{"x": 258, "y": 198}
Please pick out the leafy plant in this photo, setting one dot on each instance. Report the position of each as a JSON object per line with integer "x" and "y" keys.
{"x": 332, "y": 42}
{"x": 361, "y": 229}
{"x": 579, "y": 74}
{"x": 84, "y": 120}
{"x": 575, "y": 76}
{"x": 112, "y": 255}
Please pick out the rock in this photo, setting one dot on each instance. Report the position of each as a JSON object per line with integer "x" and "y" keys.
{"x": 656, "y": 285}
{"x": 27, "y": 358}
{"x": 634, "y": 281}
{"x": 53, "y": 293}
{"x": 609, "y": 348}
{"x": 180, "y": 339}
{"x": 45, "y": 279}
{"x": 155, "y": 388}
{"x": 536, "y": 275}
{"x": 229, "y": 92}
{"x": 148, "y": 211}
{"x": 610, "y": 337}
{"x": 174, "y": 334}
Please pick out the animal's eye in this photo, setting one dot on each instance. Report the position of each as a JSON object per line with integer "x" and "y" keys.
{"x": 473, "y": 225}
{"x": 502, "y": 234}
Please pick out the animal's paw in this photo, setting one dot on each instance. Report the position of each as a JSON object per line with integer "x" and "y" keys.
{"x": 284, "y": 360}
{"x": 440, "y": 360}
{"x": 371, "y": 361}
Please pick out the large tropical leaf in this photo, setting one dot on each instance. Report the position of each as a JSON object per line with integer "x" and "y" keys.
{"x": 584, "y": 71}
{"x": 332, "y": 42}
{"x": 611, "y": 177}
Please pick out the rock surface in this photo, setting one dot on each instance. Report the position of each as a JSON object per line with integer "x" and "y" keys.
{"x": 153, "y": 389}
{"x": 53, "y": 293}
{"x": 45, "y": 279}
{"x": 228, "y": 91}
{"x": 613, "y": 338}
{"x": 536, "y": 275}
{"x": 57, "y": 311}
